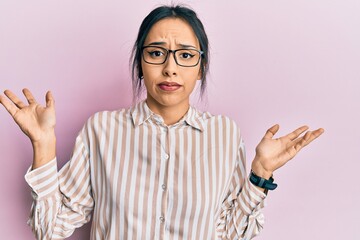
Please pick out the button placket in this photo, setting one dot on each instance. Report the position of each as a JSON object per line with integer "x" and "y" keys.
{"x": 164, "y": 163}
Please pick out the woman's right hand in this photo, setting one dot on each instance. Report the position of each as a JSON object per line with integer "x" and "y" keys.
{"x": 36, "y": 121}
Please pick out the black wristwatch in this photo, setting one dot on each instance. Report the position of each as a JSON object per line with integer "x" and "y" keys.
{"x": 262, "y": 182}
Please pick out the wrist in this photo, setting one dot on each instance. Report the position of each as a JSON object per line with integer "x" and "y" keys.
{"x": 259, "y": 170}
{"x": 44, "y": 150}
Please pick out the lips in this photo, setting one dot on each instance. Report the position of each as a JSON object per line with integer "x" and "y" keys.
{"x": 169, "y": 86}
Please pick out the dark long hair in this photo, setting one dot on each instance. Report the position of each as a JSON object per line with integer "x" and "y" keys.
{"x": 159, "y": 13}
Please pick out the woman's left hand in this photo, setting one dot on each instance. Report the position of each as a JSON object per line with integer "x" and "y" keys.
{"x": 272, "y": 154}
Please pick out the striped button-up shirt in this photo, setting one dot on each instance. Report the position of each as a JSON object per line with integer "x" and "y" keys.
{"x": 141, "y": 179}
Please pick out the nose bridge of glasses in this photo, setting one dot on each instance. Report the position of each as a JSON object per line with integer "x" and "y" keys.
{"x": 169, "y": 51}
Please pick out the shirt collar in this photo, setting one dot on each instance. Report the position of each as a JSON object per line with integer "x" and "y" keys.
{"x": 141, "y": 113}
{"x": 194, "y": 119}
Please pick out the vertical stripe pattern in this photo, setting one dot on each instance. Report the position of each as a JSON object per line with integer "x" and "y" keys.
{"x": 142, "y": 179}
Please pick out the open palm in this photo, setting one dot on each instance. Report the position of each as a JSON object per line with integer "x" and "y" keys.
{"x": 35, "y": 120}
{"x": 272, "y": 154}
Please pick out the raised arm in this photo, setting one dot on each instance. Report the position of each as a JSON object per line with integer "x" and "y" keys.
{"x": 57, "y": 209}
{"x": 241, "y": 217}
{"x": 36, "y": 121}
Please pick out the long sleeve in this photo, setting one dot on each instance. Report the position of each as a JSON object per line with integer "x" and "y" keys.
{"x": 241, "y": 216}
{"x": 62, "y": 201}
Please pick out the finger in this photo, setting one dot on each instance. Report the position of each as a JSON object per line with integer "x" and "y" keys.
{"x": 14, "y": 99}
{"x": 313, "y": 135}
{"x": 293, "y": 135}
{"x": 9, "y": 106}
{"x": 299, "y": 143}
{"x": 30, "y": 98}
{"x": 308, "y": 138}
{"x": 50, "y": 102}
{"x": 272, "y": 131}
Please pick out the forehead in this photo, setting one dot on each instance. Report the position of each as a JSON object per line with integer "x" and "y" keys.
{"x": 172, "y": 31}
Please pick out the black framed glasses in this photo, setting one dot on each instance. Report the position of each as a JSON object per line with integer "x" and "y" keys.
{"x": 186, "y": 57}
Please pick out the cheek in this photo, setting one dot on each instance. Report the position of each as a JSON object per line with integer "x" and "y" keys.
{"x": 150, "y": 71}
{"x": 192, "y": 76}
{"x": 149, "y": 77}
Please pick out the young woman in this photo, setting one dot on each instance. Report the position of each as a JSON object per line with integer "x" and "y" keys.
{"x": 160, "y": 169}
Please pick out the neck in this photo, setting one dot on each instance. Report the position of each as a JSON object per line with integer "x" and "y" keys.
{"x": 170, "y": 114}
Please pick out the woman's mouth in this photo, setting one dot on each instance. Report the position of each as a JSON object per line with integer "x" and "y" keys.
{"x": 169, "y": 86}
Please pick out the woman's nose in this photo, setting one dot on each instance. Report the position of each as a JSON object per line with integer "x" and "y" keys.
{"x": 170, "y": 65}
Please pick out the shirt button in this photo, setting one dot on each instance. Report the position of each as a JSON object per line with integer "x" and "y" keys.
{"x": 166, "y": 156}
{"x": 163, "y": 187}
{"x": 162, "y": 219}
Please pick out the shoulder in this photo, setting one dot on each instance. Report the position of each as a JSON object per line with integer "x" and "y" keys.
{"x": 107, "y": 119}
{"x": 208, "y": 117}
{"x": 218, "y": 121}
{"x": 102, "y": 125}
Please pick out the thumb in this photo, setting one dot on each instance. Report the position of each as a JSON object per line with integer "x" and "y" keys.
{"x": 272, "y": 131}
{"x": 50, "y": 102}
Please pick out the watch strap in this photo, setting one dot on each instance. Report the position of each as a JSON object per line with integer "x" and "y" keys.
{"x": 262, "y": 182}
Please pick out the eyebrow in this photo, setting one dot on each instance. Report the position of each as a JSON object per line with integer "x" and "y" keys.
{"x": 163, "y": 43}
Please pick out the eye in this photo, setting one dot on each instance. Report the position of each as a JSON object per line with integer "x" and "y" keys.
{"x": 186, "y": 55}
{"x": 156, "y": 53}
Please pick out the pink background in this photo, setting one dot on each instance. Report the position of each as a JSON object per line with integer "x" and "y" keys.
{"x": 288, "y": 62}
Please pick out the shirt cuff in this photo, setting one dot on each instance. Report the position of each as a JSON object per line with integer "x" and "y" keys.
{"x": 43, "y": 181}
{"x": 251, "y": 198}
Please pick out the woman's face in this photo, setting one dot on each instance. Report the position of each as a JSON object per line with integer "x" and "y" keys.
{"x": 168, "y": 84}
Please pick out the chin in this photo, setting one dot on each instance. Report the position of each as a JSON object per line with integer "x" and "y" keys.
{"x": 170, "y": 101}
